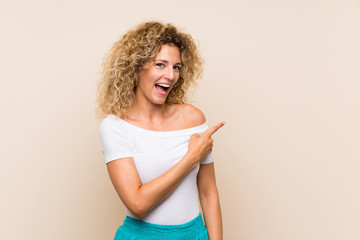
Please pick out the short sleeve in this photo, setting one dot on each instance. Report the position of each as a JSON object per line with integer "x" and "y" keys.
{"x": 114, "y": 139}
{"x": 208, "y": 159}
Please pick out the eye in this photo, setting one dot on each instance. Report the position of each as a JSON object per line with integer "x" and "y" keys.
{"x": 160, "y": 65}
{"x": 177, "y": 68}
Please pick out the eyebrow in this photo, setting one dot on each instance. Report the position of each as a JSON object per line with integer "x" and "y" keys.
{"x": 165, "y": 61}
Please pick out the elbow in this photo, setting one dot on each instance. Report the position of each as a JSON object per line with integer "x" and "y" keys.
{"x": 209, "y": 196}
{"x": 138, "y": 209}
{"x": 139, "y": 214}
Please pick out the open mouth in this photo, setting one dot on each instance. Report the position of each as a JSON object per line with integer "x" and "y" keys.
{"x": 162, "y": 88}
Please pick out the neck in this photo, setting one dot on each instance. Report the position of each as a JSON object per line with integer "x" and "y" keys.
{"x": 142, "y": 109}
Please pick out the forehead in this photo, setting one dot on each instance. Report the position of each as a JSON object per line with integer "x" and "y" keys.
{"x": 169, "y": 53}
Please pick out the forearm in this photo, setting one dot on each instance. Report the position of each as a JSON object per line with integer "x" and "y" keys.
{"x": 152, "y": 193}
{"x": 212, "y": 215}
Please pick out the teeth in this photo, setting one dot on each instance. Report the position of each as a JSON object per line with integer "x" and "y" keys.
{"x": 163, "y": 85}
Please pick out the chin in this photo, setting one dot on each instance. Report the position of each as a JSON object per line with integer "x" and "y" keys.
{"x": 159, "y": 102}
{"x": 158, "y": 99}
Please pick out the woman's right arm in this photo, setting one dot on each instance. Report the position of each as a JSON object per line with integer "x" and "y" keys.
{"x": 141, "y": 198}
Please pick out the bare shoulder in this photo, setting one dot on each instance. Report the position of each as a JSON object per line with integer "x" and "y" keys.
{"x": 192, "y": 116}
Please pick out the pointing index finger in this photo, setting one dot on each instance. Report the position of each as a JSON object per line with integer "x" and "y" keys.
{"x": 212, "y": 130}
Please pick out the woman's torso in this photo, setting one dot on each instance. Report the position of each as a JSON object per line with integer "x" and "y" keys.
{"x": 155, "y": 152}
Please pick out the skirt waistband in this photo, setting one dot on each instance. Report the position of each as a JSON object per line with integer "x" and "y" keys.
{"x": 193, "y": 229}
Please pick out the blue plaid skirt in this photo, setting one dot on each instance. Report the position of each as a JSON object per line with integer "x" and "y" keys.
{"x": 134, "y": 229}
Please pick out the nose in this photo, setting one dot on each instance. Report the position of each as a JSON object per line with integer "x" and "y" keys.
{"x": 170, "y": 73}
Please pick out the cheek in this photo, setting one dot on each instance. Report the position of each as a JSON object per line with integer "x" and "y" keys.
{"x": 145, "y": 78}
{"x": 178, "y": 76}
{"x": 178, "y": 81}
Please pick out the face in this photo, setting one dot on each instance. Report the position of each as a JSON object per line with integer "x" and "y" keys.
{"x": 159, "y": 76}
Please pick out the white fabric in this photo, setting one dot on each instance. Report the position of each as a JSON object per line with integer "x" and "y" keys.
{"x": 155, "y": 152}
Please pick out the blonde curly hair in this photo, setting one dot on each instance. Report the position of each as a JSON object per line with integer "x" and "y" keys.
{"x": 127, "y": 57}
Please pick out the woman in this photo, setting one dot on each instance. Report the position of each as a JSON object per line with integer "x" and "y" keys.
{"x": 153, "y": 142}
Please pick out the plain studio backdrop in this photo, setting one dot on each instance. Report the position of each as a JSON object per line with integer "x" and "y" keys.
{"x": 284, "y": 75}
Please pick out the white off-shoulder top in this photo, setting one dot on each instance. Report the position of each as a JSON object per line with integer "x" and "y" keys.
{"x": 155, "y": 152}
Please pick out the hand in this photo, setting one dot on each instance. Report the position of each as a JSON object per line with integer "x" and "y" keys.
{"x": 201, "y": 145}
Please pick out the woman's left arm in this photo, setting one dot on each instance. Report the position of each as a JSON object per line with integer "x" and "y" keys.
{"x": 209, "y": 200}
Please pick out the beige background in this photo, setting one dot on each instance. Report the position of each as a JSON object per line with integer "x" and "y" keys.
{"x": 283, "y": 74}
